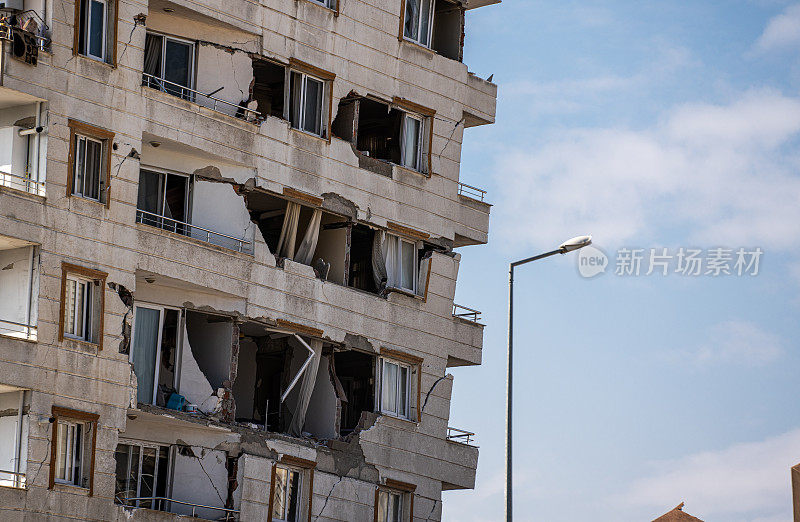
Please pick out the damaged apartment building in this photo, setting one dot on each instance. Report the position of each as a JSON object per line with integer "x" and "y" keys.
{"x": 230, "y": 235}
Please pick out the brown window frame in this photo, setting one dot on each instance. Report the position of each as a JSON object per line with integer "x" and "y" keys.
{"x": 326, "y": 76}
{"x": 88, "y": 273}
{"x": 428, "y": 116}
{"x": 292, "y": 462}
{"x": 411, "y": 360}
{"x": 97, "y": 133}
{"x": 60, "y": 413}
{"x": 112, "y": 50}
{"x": 395, "y": 486}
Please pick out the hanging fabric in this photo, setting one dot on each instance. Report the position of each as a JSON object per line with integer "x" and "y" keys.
{"x": 305, "y": 252}
{"x": 389, "y": 250}
{"x": 306, "y": 389}
{"x": 378, "y": 259}
{"x": 288, "y": 237}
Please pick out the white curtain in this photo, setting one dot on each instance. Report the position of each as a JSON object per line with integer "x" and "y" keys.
{"x": 309, "y": 379}
{"x": 378, "y": 259}
{"x": 305, "y": 252}
{"x": 288, "y": 237}
{"x": 390, "y": 255}
{"x": 384, "y": 259}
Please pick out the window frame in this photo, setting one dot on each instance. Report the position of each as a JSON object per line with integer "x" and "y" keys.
{"x": 404, "y": 490}
{"x": 327, "y": 78}
{"x": 306, "y": 470}
{"x": 87, "y": 33}
{"x": 187, "y": 204}
{"x": 414, "y": 364}
{"x": 78, "y": 130}
{"x": 142, "y": 445}
{"x": 69, "y": 416}
{"x": 420, "y": 141}
{"x": 110, "y": 29}
{"x": 402, "y": 32}
{"x": 98, "y": 278}
{"x": 82, "y": 142}
{"x": 189, "y": 95}
{"x": 428, "y": 117}
{"x": 162, "y": 309}
{"x": 86, "y": 313}
{"x": 406, "y": 413}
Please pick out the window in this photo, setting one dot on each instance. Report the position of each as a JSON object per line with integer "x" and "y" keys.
{"x": 306, "y": 103}
{"x": 96, "y": 29}
{"x": 291, "y": 489}
{"x": 164, "y": 200}
{"x": 142, "y": 471}
{"x": 169, "y": 65}
{"x": 73, "y": 448}
{"x": 286, "y": 495}
{"x": 330, "y": 4}
{"x": 394, "y": 501}
{"x": 82, "y": 304}
{"x": 412, "y": 142}
{"x": 402, "y": 255}
{"x": 399, "y": 392}
{"x": 417, "y": 21}
{"x": 395, "y": 388}
{"x": 154, "y": 352}
{"x": 89, "y": 162}
{"x": 390, "y": 506}
{"x": 78, "y": 309}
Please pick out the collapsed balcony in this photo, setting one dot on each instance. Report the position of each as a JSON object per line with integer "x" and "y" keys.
{"x": 23, "y": 142}
{"x": 19, "y": 288}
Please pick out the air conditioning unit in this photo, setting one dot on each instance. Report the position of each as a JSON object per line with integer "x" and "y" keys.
{"x": 12, "y": 4}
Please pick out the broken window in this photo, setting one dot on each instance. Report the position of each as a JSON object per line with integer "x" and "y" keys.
{"x": 417, "y": 25}
{"x": 269, "y": 87}
{"x": 89, "y": 157}
{"x": 169, "y": 65}
{"x": 356, "y": 373}
{"x": 448, "y": 29}
{"x": 306, "y": 103}
{"x": 379, "y": 130}
{"x": 361, "y": 274}
{"x": 13, "y": 437}
{"x": 290, "y": 230}
{"x": 19, "y": 288}
{"x": 142, "y": 475}
{"x": 82, "y": 303}
{"x": 164, "y": 200}
{"x": 286, "y": 492}
{"x": 73, "y": 447}
{"x": 95, "y": 29}
{"x": 154, "y": 353}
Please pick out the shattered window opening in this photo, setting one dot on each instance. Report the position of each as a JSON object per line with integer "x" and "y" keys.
{"x": 356, "y": 373}
{"x": 448, "y": 29}
{"x": 269, "y": 84}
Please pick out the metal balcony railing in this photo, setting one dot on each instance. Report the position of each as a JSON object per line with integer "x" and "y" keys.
{"x": 192, "y": 95}
{"x": 463, "y": 312}
{"x": 160, "y": 503}
{"x": 21, "y": 183}
{"x": 12, "y": 479}
{"x": 193, "y": 231}
{"x": 461, "y": 436}
{"x": 19, "y": 331}
{"x": 470, "y": 191}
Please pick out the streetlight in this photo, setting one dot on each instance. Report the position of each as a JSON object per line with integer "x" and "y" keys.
{"x": 567, "y": 246}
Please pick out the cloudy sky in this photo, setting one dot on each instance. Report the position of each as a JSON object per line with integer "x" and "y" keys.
{"x": 651, "y": 125}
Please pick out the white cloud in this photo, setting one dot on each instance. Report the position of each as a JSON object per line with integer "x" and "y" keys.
{"x": 748, "y": 481}
{"x": 738, "y": 342}
{"x": 723, "y": 171}
{"x": 781, "y": 31}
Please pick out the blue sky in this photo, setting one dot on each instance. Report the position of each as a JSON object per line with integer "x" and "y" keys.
{"x": 649, "y": 125}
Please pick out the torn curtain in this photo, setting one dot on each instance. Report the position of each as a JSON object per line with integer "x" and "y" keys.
{"x": 306, "y": 389}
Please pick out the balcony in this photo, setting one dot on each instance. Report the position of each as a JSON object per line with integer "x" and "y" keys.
{"x": 180, "y": 508}
{"x": 460, "y": 436}
{"x": 465, "y": 313}
{"x": 22, "y": 183}
{"x": 19, "y": 285}
{"x": 195, "y": 232}
{"x": 208, "y": 101}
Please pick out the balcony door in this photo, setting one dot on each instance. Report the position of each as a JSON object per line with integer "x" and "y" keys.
{"x": 154, "y": 352}
{"x": 169, "y": 65}
{"x": 164, "y": 200}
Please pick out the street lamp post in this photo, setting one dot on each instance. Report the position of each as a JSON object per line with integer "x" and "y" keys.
{"x": 568, "y": 246}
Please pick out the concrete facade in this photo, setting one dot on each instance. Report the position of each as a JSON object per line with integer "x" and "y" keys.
{"x": 192, "y": 358}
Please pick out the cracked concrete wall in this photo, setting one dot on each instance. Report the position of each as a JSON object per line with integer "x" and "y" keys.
{"x": 200, "y": 477}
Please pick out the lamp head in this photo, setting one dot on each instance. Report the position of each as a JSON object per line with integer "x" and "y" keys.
{"x": 575, "y": 243}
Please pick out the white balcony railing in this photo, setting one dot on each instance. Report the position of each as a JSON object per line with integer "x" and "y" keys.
{"x": 471, "y": 192}
{"x": 165, "y": 504}
{"x": 463, "y": 312}
{"x": 192, "y": 95}
{"x": 18, "y": 330}
{"x": 193, "y": 231}
{"x": 21, "y": 183}
{"x": 12, "y": 479}
{"x": 461, "y": 436}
